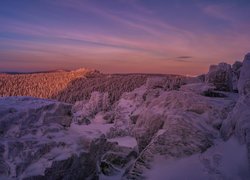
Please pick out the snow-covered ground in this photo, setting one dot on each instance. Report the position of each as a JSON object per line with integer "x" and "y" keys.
{"x": 224, "y": 160}
{"x": 126, "y": 141}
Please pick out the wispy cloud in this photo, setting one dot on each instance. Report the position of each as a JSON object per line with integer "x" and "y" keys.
{"x": 184, "y": 57}
{"x": 133, "y": 35}
{"x": 217, "y": 11}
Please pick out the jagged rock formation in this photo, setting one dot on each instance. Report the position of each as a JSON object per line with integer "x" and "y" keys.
{"x": 243, "y": 84}
{"x": 236, "y": 68}
{"x": 238, "y": 122}
{"x": 86, "y": 110}
{"x": 198, "y": 88}
{"x": 221, "y": 76}
{"x": 27, "y": 127}
{"x": 38, "y": 141}
{"x": 132, "y": 104}
{"x": 25, "y": 113}
{"x": 177, "y": 124}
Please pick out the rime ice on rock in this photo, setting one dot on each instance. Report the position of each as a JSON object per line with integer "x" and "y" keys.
{"x": 244, "y": 81}
{"x": 221, "y": 76}
{"x": 238, "y": 121}
{"x": 236, "y": 68}
{"x": 83, "y": 111}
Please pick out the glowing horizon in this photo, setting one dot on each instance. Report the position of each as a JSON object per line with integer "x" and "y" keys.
{"x": 143, "y": 36}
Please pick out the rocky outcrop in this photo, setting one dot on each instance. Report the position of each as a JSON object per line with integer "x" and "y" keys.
{"x": 202, "y": 77}
{"x": 239, "y": 116}
{"x": 28, "y": 126}
{"x": 224, "y": 76}
{"x": 220, "y": 76}
{"x": 176, "y": 124}
{"x": 37, "y": 142}
{"x": 132, "y": 104}
{"x": 244, "y": 81}
{"x": 26, "y": 113}
{"x": 198, "y": 88}
{"x": 238, "y": 121}
{"x": 150, "y": 110}
{"x": 84, "y": 111}
{"x": 236, "y": 68}
{"x": 103, "y": 158}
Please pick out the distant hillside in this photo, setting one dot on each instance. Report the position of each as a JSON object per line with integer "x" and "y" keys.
{"x": 43, "y": 85}
{"x": 35, "y": 72}
{"x": 70, "y": 86}
{"x": 115, "y": 85}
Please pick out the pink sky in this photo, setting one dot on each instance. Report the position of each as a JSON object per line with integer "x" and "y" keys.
{"x": 122, "y": 36}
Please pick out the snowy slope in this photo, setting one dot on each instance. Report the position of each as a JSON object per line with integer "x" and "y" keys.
{"x": 218, "y": 162}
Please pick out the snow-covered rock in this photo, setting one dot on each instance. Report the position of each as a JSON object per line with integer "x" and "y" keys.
{"x": 244, "y": 81}
{"x": 126, "y": 111}
{"x": 236, "y": 68}
{"x": 238, "y": 121}
{"x": 22, "y": 115}
{"x": 132, "y": 104}
{"x": 198, "y": 88}
{"x": 202, "y": 77}
{"x": 221, "y": 76}
{"x": 28, "y": 127}
{"x": 37, "y": 141}
{"x": 84, "y": 111}
{"x": 176, "y": 124}
{"x": 218, "y": 162}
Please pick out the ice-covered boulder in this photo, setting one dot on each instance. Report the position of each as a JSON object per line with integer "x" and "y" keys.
{"x": 28, "y": 130}
{"x": 22, "y": 114}
{"x": 177, "y": 124}
{"x": 198, "y": 88}
{"x": 202, "y": 77}
{"x": 221, "y": 76}
{"x": 236, "y": 68}
{"x": 238, "y": 121}
{"x": 132, "y": 104}
{"x": 102, "y": 159}
{"x": 244, "y": 81}
{"x": 126, "y": 112}
{"x": 84, "y": 111}
{"x": 37, "y": 143}
{"x": 156, "y": 112}
{"x": 203, "y": 89}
